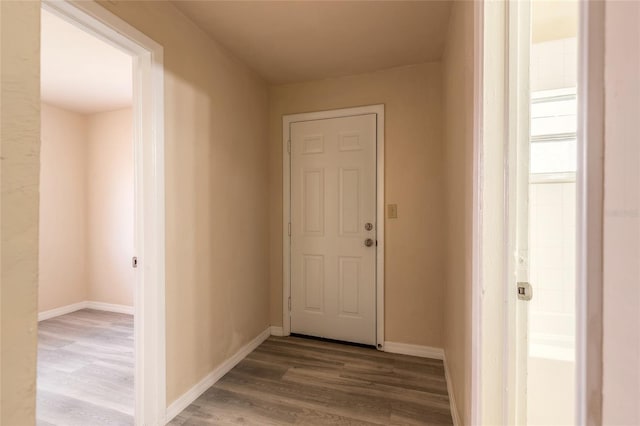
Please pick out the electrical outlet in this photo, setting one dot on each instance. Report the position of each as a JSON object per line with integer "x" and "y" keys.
{"x": 392, "y": 211}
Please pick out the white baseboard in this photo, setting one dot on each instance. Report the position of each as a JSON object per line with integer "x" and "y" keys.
{"x": 452, "y": 399}
{"x": 110, "y": 307}
{"x": 276, "y": 331}
{"x": 86, "y": 304}
{"x": 210, "y": 379}
{"x": 414, "y": 350}
{"x": 62, "y": 310}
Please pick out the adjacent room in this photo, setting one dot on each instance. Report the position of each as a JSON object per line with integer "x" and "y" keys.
{"x": 552, "y": 214}
{"x": 86, "y": 277}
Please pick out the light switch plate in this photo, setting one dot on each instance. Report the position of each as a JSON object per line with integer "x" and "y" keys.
{"x": 392, "y": 211}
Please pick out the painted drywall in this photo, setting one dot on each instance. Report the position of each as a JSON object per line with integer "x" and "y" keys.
{"x": 413, "y": 180}
{"x": 216, "y": 126}
{"x": 323, "y": 39}
{"x": 458, "y": 99}
{"x": 19, "y": 176}
{"x": 621, "y": 233}
{"x": 86, "y": 208}
{"x": 109, "y": 207}
{"x": 553, "y": 20}
{"x": 81, "y": 72}
{"x": 63, "y": 220}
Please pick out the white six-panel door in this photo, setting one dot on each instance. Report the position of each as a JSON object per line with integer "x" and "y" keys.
{"x": 333, "y": 199}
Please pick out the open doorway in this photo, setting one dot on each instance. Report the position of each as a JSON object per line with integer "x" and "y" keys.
{"x": 86, "y": 276}
{"x": 543, "y": 149}
{"x": 551, "y": 351}
{"x": 528, "y": 291}
{"x": 102, "y": 221}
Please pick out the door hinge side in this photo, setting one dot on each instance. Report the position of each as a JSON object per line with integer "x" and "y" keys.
{"x": 134, "y": 262}
{"x": 289, "y": 228}
{"x": 289, "y": 146}
{"x": 289, "y": 303}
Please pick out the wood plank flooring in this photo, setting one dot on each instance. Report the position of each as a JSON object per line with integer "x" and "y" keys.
{"x": 85, "y": 370}
{"x": 289, "y": 380}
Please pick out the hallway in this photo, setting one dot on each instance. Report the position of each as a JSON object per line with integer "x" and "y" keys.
{"x": 291, "y": 380}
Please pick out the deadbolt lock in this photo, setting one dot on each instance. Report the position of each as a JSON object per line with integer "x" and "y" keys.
{"x": 368, "y": 226}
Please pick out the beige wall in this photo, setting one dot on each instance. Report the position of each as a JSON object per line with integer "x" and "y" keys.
{"x": 86, "y": 208}
{"x": 217, "y": 288}
{"x": 621, "y": 234}
{"x": 63, "y": 166}
{"x": 413, "y": 180}
{"x": 109, "y": 211}
{"x": 19, "y": 174}
{"x": 458, "y": 131}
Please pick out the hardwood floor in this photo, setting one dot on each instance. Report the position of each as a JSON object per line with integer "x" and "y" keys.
{"x": 289, "y": 380}
{"x": 85, "y": 369}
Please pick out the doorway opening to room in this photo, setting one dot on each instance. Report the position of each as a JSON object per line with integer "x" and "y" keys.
{"x": 101, "y": 265}
{"x": 334, "y": 225}
{"x": 537, "y": 306}
{"x": 539, "y": 173}
{"x": 544, "y": 144}
{"x": 86, "y": 275}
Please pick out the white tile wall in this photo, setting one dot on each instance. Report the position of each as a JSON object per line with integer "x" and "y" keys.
{"x": 552, "y": 253}
{"x": 554, "y": 64}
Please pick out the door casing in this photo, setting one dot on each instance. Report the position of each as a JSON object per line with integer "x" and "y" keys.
{"x": 149, "y": 193}
{"x": 287, "y": 120}
{"x": 589, "y": 192}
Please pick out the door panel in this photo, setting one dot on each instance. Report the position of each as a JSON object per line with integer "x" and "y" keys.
{"x": 333, "y": 197}
{"x": 313, "y": 202}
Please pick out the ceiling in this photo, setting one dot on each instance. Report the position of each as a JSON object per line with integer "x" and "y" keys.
{"x": 80, "y": 72}
{"x": 291, "y": 41}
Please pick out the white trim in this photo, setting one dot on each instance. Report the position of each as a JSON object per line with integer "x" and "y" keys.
{"x": 149, "y": 238}
{"x": 62, "y": 310}
{"x": 110, "y": 307}
{"x": 216, "y": 374}
{"x": 590, "y": 193}
{"x": 276, "y": 331}
{"x": 414, "y": 350}
{"x": 560, "y": 177}
{"x": 477, "y": 225}
{"x": 516, "y": 171}
{"x": 542, "y": 95}
{"x": 452, "y": 397}
{"x": 85, "y": 304}
{"x": 286, "y": 208}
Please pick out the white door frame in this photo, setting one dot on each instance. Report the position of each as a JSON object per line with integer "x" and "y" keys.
{"x": 590, "y": 207}
{"x": 287, "y": 120}
{"x": 589, "y": 193}
{"x": 149, "y": 235}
